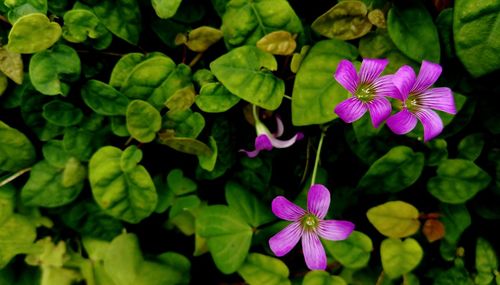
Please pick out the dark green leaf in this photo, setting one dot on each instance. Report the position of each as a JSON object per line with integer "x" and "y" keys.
{"x": 104, "y": 99}
{"x": 471, "y": 146}
{"x": 121, "y": 17}
{"x": 62, "y": 113}
{"x": 353, "y": 252}
{"x": 215, "y": 98}
{"x": 262, "y": 269}
{"x": 253, "y": 211}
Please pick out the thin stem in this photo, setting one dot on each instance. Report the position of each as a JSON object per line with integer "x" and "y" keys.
{"x": 287, "y": 97}
{"x": 318, "y": 153}
{"x": 195, "y": 59}
{"x": 14, "y": 176}
{"x": 101, "y": 52}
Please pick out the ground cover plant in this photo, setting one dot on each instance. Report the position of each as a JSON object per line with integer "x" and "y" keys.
{"x": 249, "y": 142}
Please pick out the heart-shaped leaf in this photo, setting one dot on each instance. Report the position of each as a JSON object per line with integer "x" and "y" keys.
{"x": 82, "y": 25}
{"x": 400, "y": 257}
{"x": 353, "y": 252}
{"x": 143, "y": 121}
{"x": 263, "y": 269}
{"x": 33, "y": 33}
{"x": 247, "y": 205}
{"x": 104, "y": 99}
{"x": 166, "y": 8}
{"x": 16, "y": 151}
{"x": 394, "y": 219}
{"x": 215, "y": 98}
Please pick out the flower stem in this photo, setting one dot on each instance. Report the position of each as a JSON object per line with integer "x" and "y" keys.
{"x": 14, "y": 176}
{"x": 318, "y": 153}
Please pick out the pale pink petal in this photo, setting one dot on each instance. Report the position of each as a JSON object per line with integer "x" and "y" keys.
{"x": 433, "y": 125}
{"x": 286, "y": 143}
{"x": 371, "y": 69}
{"x": 318, "y": 200}
{"x": 286, "y": 210}
{"x": 403, "y": 80}
{"x": 335, "y": 230}
{"x": 314, "y": 253}
{"x": 428, "y": 74}
{"x": 380, "y": 109}
{"x": 284, "y": 241}
{"x": 346, "y": 75}
{"x": 279, "y": 127}
{"x": 350, "y": 110}
{"x": 402, "y": 122}
{"x": 383, "y": 86}
{"x": 250, "y": 153}
{"x": 440, "y": 99}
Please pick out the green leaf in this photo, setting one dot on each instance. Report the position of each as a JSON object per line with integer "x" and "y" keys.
{"x": 166, "y": 8}
{"x": 127, "y": 194}
{"x": 262, "y": 269}
{"x": 315, "y": 92}
{"x": 31, "y": 111}
{"x": 278, "y": 43}
{"x": 125, "y": 65}
{"x": 247, "y": 205}
{"x": 346, "y": 20}
{"x": 16, "y": 151}
{"x": 62, "y": 113}
{"x": 475, "y": 31}
{"x": 486, "y": 262}
{"x": 183, "y": 204}
{"x": 119, "y": 126}
{"x": 393, "y": 172}
{"x": 457, "y": 275}
{"x": 17, "y": 234}
{"x": 74, "y": 173}
{"x": 104, "y": 99}
{"x": 179, "y": 184}
{"x": 394, "y": 219}
{"x": 207, "y": 162}
{"x": 52, "y": 70}
{"x": 4, "y": 82}
{"x": 318, "y": 277}
{"x": 228, "y": 236}
{"x": 471, "y": 146}
{"x": 379, "y": 45}
{"x": 353, "y": 252}
{"x": 400, "y": 257}
{"x": 457, "y": 181}
{"x": 123, "y": 259}
{"x": 444, "y": 25}
{"x": 7, "y": 202}
{"x": 11, "y": 64}
{"x": 215, "y": 98}
{"x": 121, "y": 17}
{"x": 79, "y": 143}
{"x": 247, "y": 73}
{"x": 412, "y": 30}
{"x": 82, "y": 25}
{"x": 438, "y": 152}
{"x": 47, "y": 185}
{"x": 245, "y": 22}
{"x": 186, "y": 145}
{"x": 185, "y": 123}
{"x": 143, "y": 121}
{"x": 54, "y": 154}
{"x": 19, "y": 8}
{"x": 33, "y": 33}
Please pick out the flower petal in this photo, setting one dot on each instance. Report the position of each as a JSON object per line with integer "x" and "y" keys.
{"x": 286, "y": 210}
{"x": 318, "y": 200}
{"x": 263, "y": 142}
{"x": 371, "y": 69}
{"x": 383, "y": 86}
{"x": 286, "y": 143}
{"x": 440, "y": 98}
{"x": 432, "y": 123}
{"x": 279, "y": 127}
{"x": 346, "y": 75}
{"x": 402, "y": 122}
{"x": 428, "y": 74}
{"x": 380, "y": 109}
{"x": 314, "y": 253}
{"x": 335, "y": 230}
{"x": 284, "y": 241}
{"x": 250, "y": 153}
{"x": 350, "y": 110}
{"x": 404, "y": 79}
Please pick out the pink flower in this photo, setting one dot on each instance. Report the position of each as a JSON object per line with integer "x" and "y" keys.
{"x": 309, "y": 226}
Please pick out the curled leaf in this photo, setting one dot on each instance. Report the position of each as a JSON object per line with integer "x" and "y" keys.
{"x": 278, "y": 42}
{"x": 199, "y": 39}
{"x": 11, "y": 64}
{"x": 377, "y": 18}
{"x": 433, "y": 230}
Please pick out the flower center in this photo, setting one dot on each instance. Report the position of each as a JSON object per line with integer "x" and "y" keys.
{"x": 412, "y": 103}
{"x": 365, "y": 93}
{"x": 309, "y": 222}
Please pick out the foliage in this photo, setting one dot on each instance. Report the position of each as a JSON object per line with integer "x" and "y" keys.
{"x": 121, "y": 121}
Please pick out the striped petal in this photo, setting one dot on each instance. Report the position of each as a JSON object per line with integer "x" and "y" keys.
{"x": 402, "y": 122}
{"x": 346, "y": 75}
{"x": 335, "y": 230}
{"x": 318, "y": 200}
{"x": 371, "y": 69}
{"x": 314, "y": 253}
{"x": 440, "y": 99}
{"x": 428, "y": 74}
{"x": 432, "y": 123}
{"x": 383, "y": 86}
{"x": 403, "y": 80}
{"x": 380, "y": 109}
{"x": 286, "y": 210}
{"x": 350, "y": 110}
{"x": 284, "y": 241}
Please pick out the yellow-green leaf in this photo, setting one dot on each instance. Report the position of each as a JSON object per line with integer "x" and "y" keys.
{"x": 33, "y": 33}
{"x": 394, "y": 219}
{"x": 278, "y": 42}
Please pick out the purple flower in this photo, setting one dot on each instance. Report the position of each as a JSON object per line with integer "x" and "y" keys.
{"x": 418, "y": 100}
{"x": 368, "y": 90}
{"x": 266, "y": 140}
{"x": 308, "y": 225}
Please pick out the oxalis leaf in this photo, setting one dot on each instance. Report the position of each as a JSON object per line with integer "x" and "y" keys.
{"x": 166, "y": 8}
{"x": 475, "y": 31}
{"x": 104, "y": 99}
{"x": 127, "y": 193}
{"x": 33, "y": 33}
{"x": 246, "y": 72}
{"x": 400, "y": 257}
{"x": 262, "y": 269}
{"x": 143, "y": 121}
{"x": 393, "y": 172}
{"x": 318, "y": 277}
{"x": 353, "y": 252}
{"x": 19, "y": 8}
{"x": 486, "y": 262}
{"x": 394, "y": 219}
{"x": 11, "y": 64}
{"x": 457, "y": 181}
{"x": 17, "y": 235}
{"x": 16, "y": 151}
{"x": 246, "y": 21}
{"x": 315, "y": 92}
{"x": 121, "y": 17}
{"x": 82, "y": 25}
{"x": 228, "y": 236}
{"x": 412, "y": 30}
